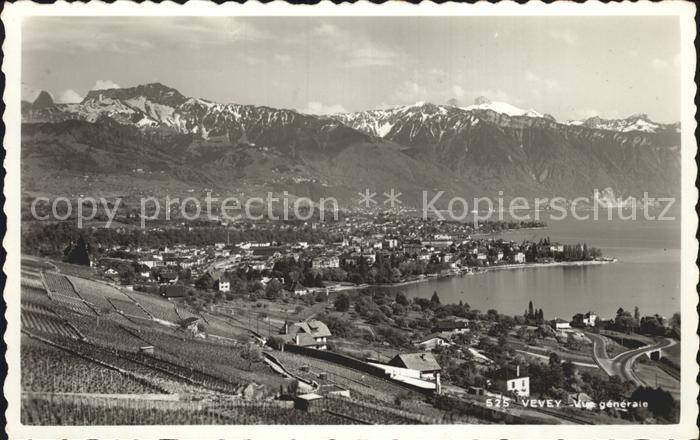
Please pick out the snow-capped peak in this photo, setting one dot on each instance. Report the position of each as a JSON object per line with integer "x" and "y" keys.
{"x": 637, "y": 122}
{"x": 504, "y": 108}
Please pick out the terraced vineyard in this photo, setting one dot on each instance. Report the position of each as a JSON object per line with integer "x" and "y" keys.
{"x": 36, "y": 264}
{"x": 221, "y": 327}
{"x": 109, "y": 331}
{"x": 40, "y": 411}
{"x": 96, "y": 293}
{"x": 32, "y": 280}
{"x": 359, "y": 383}
{"x": 159, "y": 308}
{"x": 45, "y": 323}
{"x": 369, "y": 414}
{"x": 221, "y": 361}
{"x": 48, "y": 369}
{"x": 31, "y": 295}
{"x": 59, "y": 284}
{"x": 90, "y": 344}
{"x": 158, "y": 378}
{"x": 129, "y": 308}
{"x": 76, "y": 305}
{"x": 183, "y": 313}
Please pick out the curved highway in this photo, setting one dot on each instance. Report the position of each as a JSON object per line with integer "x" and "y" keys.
{"x": 622, "y": 364}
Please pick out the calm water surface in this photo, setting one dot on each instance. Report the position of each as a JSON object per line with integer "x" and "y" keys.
{"x": 647, "y": 273}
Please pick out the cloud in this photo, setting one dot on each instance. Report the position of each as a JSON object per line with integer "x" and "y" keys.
{"x": 103, "y": 84}
{"x": 132, "y": 35}
{"x": 549, "y": 85}
{"x": 410, "y": 92}
{"x": 458, "y": 91}
{"x": 69, "y": 96}
{"x": 252, "y": 60}
{"x": 318, "y": 108}
{"x": 495, "y": 95}
{"x": 531, "y": 76}
{"x": 659, "y": 64}
{"x": 371, "y": 55}
{"x": 29, "y": 93}
{"x": 282, "y": 57}
{"x": 565, "y": 36}
{"x": 585, "y": 113}
{"x": 325, "y": 30}
{"x": 353, "y": 49}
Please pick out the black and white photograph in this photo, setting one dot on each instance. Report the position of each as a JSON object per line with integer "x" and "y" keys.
{"x": 318, "y": 216}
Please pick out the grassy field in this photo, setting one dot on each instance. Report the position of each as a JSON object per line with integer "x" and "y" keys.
{"x": 654, "y": 376}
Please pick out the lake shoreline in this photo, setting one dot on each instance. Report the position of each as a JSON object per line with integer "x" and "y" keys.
{"x": 484, "y": 270}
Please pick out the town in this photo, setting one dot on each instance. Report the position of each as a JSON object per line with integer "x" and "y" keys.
{"x": 317, "y": 312}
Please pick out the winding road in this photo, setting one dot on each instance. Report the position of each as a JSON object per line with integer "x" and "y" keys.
{"x": 622, "y": 364}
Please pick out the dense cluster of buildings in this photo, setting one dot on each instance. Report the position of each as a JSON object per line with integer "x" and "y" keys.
{"x": 437, "y": 248}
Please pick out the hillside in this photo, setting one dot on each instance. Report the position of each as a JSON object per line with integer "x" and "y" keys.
{"x": 151, "y": 139}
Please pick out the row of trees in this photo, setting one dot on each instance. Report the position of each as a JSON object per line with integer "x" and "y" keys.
{"x": 571, "y": 252}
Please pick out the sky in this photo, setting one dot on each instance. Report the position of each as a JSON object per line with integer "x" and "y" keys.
{"x": 569, "y": 67}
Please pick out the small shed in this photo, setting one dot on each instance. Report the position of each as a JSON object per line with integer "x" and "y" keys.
{"x": 146, "y": 349}
{"x": 310, "y": 402}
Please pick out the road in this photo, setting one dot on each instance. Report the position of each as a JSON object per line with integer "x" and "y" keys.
{"x": 622, "y": 364}
{"x": 541, "y": 356}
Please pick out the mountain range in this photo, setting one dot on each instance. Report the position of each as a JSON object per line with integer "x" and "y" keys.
{"x": 151, "y": 140}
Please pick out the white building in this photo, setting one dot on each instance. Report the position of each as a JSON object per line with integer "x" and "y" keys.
{"x": 589, "y": 319}
{"x": 519, "y": 257}
{"x": 325, "y": 262}
{"x": 561, "y": 324}
{"x": 224, "y": 285}
{"x": 510, "y": 381}
{"x": 520, "y": 386}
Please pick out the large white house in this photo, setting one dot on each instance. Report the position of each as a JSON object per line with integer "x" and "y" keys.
{"x": 589, "y": 319}
{"x": 511, "y": 381}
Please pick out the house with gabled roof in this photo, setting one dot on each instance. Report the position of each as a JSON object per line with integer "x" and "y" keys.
{"x": 425, "y": 363}
{"x": 311, "y": 333}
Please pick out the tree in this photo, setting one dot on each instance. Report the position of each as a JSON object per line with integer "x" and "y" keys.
{"x": 569, "y": 369}
{"x": 342, "y": 303}
{"x": 435, "y": 299}
{"x": 675, "y": 322}
{"x": 624, "y": 321}
{"x": 273, "y": 289}
{"x": 401, "y": 299}
{"x": 554, "y": 359}
{"x": 530, "y": 312}
{"x": 79, "y": 253}
{"x": 661, "y": 402}
{"x": 636, "y": 315}
{"x": 572, "y": 343}
{"x": 252, "y": 354}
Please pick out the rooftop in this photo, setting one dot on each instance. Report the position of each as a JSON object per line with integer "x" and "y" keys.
{"x": 416, "y": 361}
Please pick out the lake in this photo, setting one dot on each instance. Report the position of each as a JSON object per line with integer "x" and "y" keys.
{"x": 647, "y": 273}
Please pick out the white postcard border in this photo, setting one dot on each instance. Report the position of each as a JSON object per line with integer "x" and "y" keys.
{"x": 12, "y": 17}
